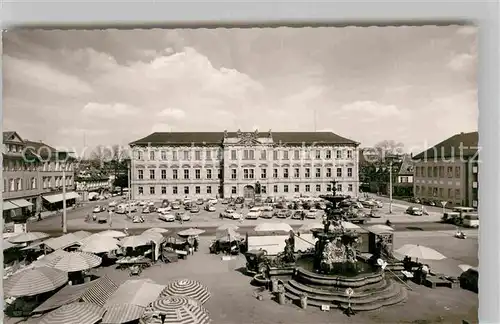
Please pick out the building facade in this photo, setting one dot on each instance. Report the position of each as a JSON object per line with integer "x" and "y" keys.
{"x": 87, "y": 182}
{"x": 449, "y": 171}
{"x": 403, "y": 186}
{"x": 33, "y": 176}
{"x": 242, "y": 164}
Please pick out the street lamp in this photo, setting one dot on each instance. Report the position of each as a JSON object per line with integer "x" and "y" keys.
{"x": 390, "y": 187}
{"x": 443, "y": 204}
{"x": 64, "y": 219}
{"x": 129, "y": 166}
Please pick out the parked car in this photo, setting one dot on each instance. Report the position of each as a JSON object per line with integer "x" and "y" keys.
{"x": 269, "y": 200}
{"x": 225, "y": 201}
{"x": 471, "y": 220}
{"x": 231, "y": 214}
{"x": 146, "y": 210}
{"x": 266, "y": 214}
{"x": 98, "y": 209}
{"x": 194, "y": 209}
{"x": 415, "y": 211}
{"x": 368, "y": 203}
{"x": 311, "y": 213}
{"x": 199, "y": 201}
{"x": 428, "y": 202}
{"x": 210, "y": 208}
{"x": 175, "y": 206}
{"x": 267, "y": 208}
{"x": 213, "y": 201}
{"x": 378, "y": 203}
{"x": 167, "y": 217}
{"x": 112, "y": 204}
{"x": 254, "y": 213}
{"x": 182, "y": 216}
{"x": 239, "y": 200}
{"x": 142, "y": 203}
{"x": 297, "y": 214}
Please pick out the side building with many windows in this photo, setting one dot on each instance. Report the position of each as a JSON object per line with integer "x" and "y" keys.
{"x": 448, "y": 171}
{"x": 33, "y": 177}
{"x": 242, "y": 164}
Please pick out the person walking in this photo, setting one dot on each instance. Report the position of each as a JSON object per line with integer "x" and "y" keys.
{"x": 39, "y": 216}
{"x": 110, "y": 218}
{"x": 195, "y": 244}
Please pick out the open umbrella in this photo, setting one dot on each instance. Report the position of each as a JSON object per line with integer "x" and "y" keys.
{"x": 112, "y": 233}
{"x": 7, "y": 245}
{"x": 273, "y": 227}
{"x": 82, "y": 234}
{"x": 175, "y": 311}
{"x": 34, "y": 281}
{"x": 465, "y": 267}
{"x": 310, "y": 226}
{"x": 191, "y": 232}
{"x": 154, "y": 236}
{"x": 75, "y": 261}
{"x": 380, "y": 228}
{"x": 156, "y": 230}
{"x": 122, "y": 313}
{"x": 28, "y": 237}
{"x": 227, "y": 235}
{"x": 187, "y": 288}
{"x": 99, "y": 244}
{"x": 82, "y": 313}
{"x": 135, "y": 241}
{"x": 419, "y": 252}
{"x": 350, "y": 226}
{"x": 226, "y": 226}
{"x": 168, "y": 302}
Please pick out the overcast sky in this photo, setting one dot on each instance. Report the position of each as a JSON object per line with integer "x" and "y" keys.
{"x": 415, "y": 85}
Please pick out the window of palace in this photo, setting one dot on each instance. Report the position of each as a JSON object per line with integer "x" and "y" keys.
{"x": 197, "y": 174}
{"x": 318, "y": 173}
{"x": 175, "y": 190}
{"x": 175, "y": 174}
{"x": 140, "y": 174}
{"x": 186, "y": 190}
{"x": 151, "y": 190}
{"x": 233, "y": 190}
{"x": 163, "y": 190}
{"x": 186, "y": 174}
{"x": 349, "y": 172}
{"x": 163, "y": 155}
{"x": 275, "y": 188}
{"x": 349, "y": 187}
{"x": 328, "y": 154}
{"x": 163, "y": 174}
{"x": 151, "y": 174}
{"x": 140, "y": 190}
{"x": 197, "y": 189}
{"x": 318, "y": 187}
{"x": 328, "y": 172}
{"x": 209, "y": 174}
{"x": 209, "y": 189}
{"x": 296, "y": 173}
{"x": 339, "y": 172}
{"x": 308, "y": 188}
{"x": 307, "y": 173}
{"x": 285, "y": 188}
{"x": 197, "y": 155}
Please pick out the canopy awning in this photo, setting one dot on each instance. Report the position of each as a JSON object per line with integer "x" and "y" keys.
{"x": 7, "y": 205}
{"x": 59, "y": 197}
{"x": 21, "y": 202}
{"x": 62, "y": 242}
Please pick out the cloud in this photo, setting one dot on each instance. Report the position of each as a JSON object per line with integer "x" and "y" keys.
{"x": 40, "y": 75}
{"x": 159, "y": 127}
{"x": 114, "y": 110}
{"x": 371, "y": 108}
{"x": 461, "y": 62}
{"x": 172, "y": 113}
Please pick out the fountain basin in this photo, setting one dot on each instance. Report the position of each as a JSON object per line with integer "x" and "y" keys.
{"x": 260, "y": 280}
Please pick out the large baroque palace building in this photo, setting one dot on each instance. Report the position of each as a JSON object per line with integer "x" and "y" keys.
{"x": 231, "y": 164}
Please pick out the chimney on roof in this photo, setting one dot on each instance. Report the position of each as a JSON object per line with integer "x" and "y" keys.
{"x": 411, "y": 154}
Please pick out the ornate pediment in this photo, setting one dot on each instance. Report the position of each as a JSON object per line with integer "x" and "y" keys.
{"x": 307, "y": 164}
{"x": 247, "y": 138}
{"x": 297, "y": 165}
{"x": 185, "y": 166}
{"x": 233, "y": 165}
{"x": 263, "y": 165}
{"x": 163, "y": 166}
{"x": 318, "y": 165}
{"x": 139, "y": 166}
{"x": 248, "y": 166}
{"x": 197, "y": 166}
{"x": 208, "y": 166}
{"x": 151, "y": 166}
{"x": 286, "y": 165}
{"x": 174, "y": 166}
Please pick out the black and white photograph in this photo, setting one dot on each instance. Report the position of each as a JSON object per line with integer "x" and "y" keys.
{"x": 241, "y": 175}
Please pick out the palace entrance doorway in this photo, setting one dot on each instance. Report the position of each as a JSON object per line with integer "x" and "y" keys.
{"x": 249, "y": 193}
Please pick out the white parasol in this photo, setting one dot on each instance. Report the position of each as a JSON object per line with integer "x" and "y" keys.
{"x": 191, "y": 232}
{"x": 28, "y": 237}
{"x": 99, "y": 244}
{"x": 135, "y": 241}
{"x": 156, "y": 230}
{"x": 273, "y": 227}
{"x": 419, "y": 252}
{"x": 112, "y": 233}
{"x": 380, "y": 228}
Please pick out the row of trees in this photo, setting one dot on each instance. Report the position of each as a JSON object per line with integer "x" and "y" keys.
{"x": 112, "y": 160}
{"x": 375, "y": 164}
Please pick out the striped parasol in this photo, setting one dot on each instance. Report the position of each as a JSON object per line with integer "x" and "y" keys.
{"x": 75, "y": 261}
{"x": 176, "y": 313}
{"x": 47, "y": 259}
{"x": 82, "y": 313}
{"x": 122, "y": 313}
{"x": 164, "y": 304}
{"x": 112, "y": 233}
{"x": 156, "y": 230}
{"x": 135, "y": 241}
{"x": 187, "y": 288}
{"x": 28, "y": 237}
{"x": 34, "y": 281}
{"x": 99, "y": 244}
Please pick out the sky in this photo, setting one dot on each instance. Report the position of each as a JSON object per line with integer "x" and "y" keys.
{"x": 76, "y": 89}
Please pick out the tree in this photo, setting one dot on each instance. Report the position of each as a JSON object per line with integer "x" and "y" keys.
{"x": 121, "y": 181}
{"x": 389, "y": 147}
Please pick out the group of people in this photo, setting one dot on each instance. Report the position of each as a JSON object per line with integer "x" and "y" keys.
{"x": 422, "y": 271}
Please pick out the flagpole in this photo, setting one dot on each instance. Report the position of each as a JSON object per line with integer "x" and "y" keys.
{"x": 65, "y": 229}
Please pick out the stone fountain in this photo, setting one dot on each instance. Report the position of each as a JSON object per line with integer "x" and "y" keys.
{"x": 334, "y": 275}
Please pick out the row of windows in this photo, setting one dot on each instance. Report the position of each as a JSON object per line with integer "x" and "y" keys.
{"x": 32, "y": 183}
{"x": 26, "y": 166}
{"x": 247, "y": 173}
{"x": 246, "y": 154}
{"x": 437, "y": 172}
{"x": 234, "y": 189}
{"x": 437, "y": 192}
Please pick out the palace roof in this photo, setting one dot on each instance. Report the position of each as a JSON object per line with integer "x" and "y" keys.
{"x": 459, "y": 145}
